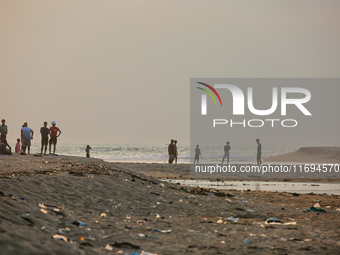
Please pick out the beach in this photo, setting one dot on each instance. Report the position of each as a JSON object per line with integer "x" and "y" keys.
{"x": 127, "y": 209}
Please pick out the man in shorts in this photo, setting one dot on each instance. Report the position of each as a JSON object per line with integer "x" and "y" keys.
{"x": 54, "y": 134}
{"x": 44, "y": 131}
{"x": 226, "y": 152}
{"x": 26, "y": 136}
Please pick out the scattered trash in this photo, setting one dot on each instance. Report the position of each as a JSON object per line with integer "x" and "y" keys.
{"x": 162, "y": 231}
{"x": 141, "y": 235}
{"x": 317, "y": 205}
{"x": 21, "y": 198}
{"x": 108, "y": 247}
{"x": 27, "y": 221}
{"x": 233, "y": 219}
{"x": 103, "y": 215}
{"x": 313, "y": 209}
{"x": 250, "y": 210}
{"x": 78, "y": 222}
{"x": 273, "y": 220}
{"x": 43, "y": 210}
{"x": 220, "y": 221}
{"x": 59, "y": 237}
{"x": 141, "y": 221}
{"x": 125, "y": 245}
{"x": 246, "y": 241}
{"x": 337, "y": 209}
{"x": 147, "y": 253}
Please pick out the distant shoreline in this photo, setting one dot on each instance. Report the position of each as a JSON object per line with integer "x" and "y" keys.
{"x": 309, "y": 155}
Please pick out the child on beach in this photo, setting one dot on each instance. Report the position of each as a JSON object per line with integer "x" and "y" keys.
{"x": 88, "y": 148}
{"x": 17, "y": 146}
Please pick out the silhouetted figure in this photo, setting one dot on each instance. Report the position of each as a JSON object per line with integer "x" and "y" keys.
{"x": 226, "y": 153}
{"x": 44, "y": 131}
{"x": 3, "y": 150}
{"x": 17, "y": 146}
{"x": 176, "y": 153}
{"x": 171, "y": 151}
{"x": 259, "y": 152}
{"x": 3, "y": 133}
{"x": 197, "y": 154}
{"x": 88, "y": 148}
{"x": 53, "y": 136}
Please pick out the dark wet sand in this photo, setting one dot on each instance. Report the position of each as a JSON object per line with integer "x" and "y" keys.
{"x": 83, "y": 189}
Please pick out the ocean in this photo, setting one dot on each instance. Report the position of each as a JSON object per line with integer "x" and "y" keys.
{"x": 159, "y": 153}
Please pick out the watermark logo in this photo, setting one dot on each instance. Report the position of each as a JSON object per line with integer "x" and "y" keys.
{"x": 204, "y": 97}
{"x": 239, "y": 99}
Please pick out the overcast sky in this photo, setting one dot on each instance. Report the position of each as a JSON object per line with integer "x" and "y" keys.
{"x": 119, "y": 71}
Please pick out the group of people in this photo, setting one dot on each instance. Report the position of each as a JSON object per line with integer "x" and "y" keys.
{"x": 26, "y": 137}
{"x": 226, "y": 153}
{"x": 172, "y": 151}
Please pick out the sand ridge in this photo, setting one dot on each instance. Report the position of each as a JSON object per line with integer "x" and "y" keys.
{"x": 138, "y": 207}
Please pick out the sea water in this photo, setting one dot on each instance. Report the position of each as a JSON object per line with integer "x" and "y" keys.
{"x": 159, "y": 153}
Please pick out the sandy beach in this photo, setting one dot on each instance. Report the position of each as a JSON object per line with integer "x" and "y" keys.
{"x": 127, "y": 210}
{"x": 310, "y": 155}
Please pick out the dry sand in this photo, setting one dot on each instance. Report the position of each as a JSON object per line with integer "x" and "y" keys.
{"x": 79, "y": 189}
{"x": 309, "y": 155}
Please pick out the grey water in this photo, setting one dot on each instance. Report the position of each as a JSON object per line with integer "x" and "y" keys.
{"x": 298, "y": 187}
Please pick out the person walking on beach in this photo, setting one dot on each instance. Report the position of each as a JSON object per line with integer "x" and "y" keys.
{"x": 17, "y": 146}
{"x": 171, "y": 151}
{"x": 26, "y": 136}
{"x": 44, "y": 131}
{"x": 88, "y": 148}
{"x": 176, "y": 153}
{"x": 226, "y": 153}
{"x": 54, "y": 134}
{"x": 197, "y": 154}
{"x": 259, "y": 152}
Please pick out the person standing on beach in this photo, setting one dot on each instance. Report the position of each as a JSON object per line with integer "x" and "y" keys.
{"x": 54, "y": 134}
{"x": 197, "y": 154}
{"x": 226, "y": 153}
{"x": 26, "y": 136}
{"x": 88, "y": 148}
{"x": 44, "y": 131}
{"x": 3, "y": 133}
{"x": 259, "y": 152}
{"x": 171, "y": 151}
{"x": 17, "y": 146}
{"x": 3, "y": 129}
{"x": 176, "y": 153}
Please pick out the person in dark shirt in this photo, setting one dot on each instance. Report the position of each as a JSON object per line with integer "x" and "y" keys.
{"x": 3, "y": 149}
{"x": 44, "y": 137}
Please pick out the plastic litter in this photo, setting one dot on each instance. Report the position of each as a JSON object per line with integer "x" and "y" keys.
{"x": 233, "y": 219}
{"x": 43, "y": 210}
{"x": 313, "y": 209}
{"x": 273, "y": 220}
{"x": 250, "y": 210}
{"x": 103, "y": 215}
{"x": 78, "y": 222}
{"x": 108, "y": 247}
{"x": 246, "y": 241}
{"x": 125, "y": 245}
{"x": 59, "y": 237}
{"x": 147, "y": 253}
{"x": 162, "y": 231}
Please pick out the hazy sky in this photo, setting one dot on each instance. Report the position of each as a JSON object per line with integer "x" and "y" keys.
{"x": 119, "y": 71}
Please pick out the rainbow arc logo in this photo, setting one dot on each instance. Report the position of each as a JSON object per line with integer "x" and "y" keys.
{"x": 204, "y": 97}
